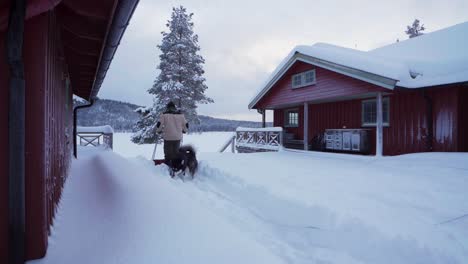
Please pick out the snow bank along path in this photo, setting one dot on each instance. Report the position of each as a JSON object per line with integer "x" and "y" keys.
{"x": 114, "y": 211}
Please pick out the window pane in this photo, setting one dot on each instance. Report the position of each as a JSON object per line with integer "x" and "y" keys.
{"x": 385, "y": 110}
{"x": 310, "y": 77}
{"x": 369, "y": 111}
{"x": 293, "y": 118}
{"x": 297, "y": 80}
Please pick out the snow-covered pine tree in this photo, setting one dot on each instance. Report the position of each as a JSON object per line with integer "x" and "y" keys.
{"x": 145, "y": 127}
{"x": 181, "y": 76}
{"x": 415, "y": 29}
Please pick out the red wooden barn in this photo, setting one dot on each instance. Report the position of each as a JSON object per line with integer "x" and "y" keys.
{"x": 68, "y": 47}
{"x": 412, "y": 93}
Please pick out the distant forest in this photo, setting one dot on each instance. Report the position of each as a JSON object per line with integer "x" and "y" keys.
{"x": 122, "y": 116}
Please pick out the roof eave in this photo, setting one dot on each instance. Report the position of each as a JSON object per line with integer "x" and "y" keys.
{"x": 122, "y": 15}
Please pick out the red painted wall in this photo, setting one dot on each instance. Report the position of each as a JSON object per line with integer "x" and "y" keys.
{"x": 336, "y": 115}
{"x": 408, "y": 129}
{"x": 329, "y": 85}
{"x": 463, "y": 119}
{"x": 48, "y": 126}
{"x": 445, "y": 118}
{"x": 4, "y": 73}
{"x": 48, "y": 133}
{"x": 35, "y": 42}
{"x": 278, "y": 120}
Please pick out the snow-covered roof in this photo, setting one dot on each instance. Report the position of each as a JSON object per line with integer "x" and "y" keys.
{"x": 355, "y": 59}
{"x": 436, "y": 58}
{"x": 439, "y": 57}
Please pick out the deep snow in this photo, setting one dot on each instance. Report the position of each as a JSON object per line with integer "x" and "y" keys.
{"x": 286, "y": 207}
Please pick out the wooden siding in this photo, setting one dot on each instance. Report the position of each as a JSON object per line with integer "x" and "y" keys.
{"x": 445, "y": 118}
{"x": 48, "y": 137}
{"x": 279, "y": 119}
{"x": 329, "y": 85}
{"x": 463, "y": 119}
{"x": 337, "y": 115}
{"x": 3, "y": 151}
{"x": 408, "y": 128}
{"x": 48, "y": 126}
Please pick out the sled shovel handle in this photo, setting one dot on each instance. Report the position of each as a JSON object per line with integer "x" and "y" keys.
{"x": 154, "y": 151}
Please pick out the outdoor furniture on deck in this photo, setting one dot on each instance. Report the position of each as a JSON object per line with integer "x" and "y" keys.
{"x": 348, "y": 140}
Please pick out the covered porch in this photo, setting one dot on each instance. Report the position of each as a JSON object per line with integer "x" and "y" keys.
{"x": 332, "y": 124}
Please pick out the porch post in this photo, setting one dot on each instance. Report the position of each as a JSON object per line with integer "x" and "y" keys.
{"x": 262, "y": 112}
{"x": 263, "y": 118}
{"x": 306, "y": 126}
{"x": 379, "y": 128}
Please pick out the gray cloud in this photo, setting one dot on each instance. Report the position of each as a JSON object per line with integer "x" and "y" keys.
{"x": 243, "y": 41}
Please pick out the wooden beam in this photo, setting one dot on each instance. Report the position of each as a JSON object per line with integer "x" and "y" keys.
{"x": 379, "y": 128}
{"x": 77, "y": 51}
{"x": 90, "y": 8}
{"x": 306, "y": 126}
{"x": 80, "y": 33}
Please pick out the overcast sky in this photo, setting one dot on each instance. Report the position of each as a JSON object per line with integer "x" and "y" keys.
{"x": 243, "y": 41}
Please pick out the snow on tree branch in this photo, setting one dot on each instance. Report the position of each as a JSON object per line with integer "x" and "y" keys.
{"x": 415, "y": 29}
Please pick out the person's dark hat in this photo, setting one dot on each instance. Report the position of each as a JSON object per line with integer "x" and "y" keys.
{"x": 170, "y": 105}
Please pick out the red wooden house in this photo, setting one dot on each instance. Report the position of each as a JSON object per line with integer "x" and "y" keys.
{"x": 67, "y": 48}
{"x": 408, "y": 97}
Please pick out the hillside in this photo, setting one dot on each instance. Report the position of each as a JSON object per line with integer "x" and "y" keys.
{"x": 121, "y": 116}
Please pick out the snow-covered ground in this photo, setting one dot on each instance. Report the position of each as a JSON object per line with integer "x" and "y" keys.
{"x": 286, "y": 207}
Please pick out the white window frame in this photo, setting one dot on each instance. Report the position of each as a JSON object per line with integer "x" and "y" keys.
{"x": 287, "y": 122}
{"x": 385, "y": 101}
{"x": 302, "y": 76}
{"x": 294, "y": 85}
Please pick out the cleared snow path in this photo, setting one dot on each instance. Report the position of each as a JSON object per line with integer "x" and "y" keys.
{"x": 113, "y": 211}
{"x": 329, "y": 208}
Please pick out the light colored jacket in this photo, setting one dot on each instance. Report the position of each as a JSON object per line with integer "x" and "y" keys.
{"x": 172, "y": 125}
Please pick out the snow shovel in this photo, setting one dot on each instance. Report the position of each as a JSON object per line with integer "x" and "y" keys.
{"x": 157, "y": 161}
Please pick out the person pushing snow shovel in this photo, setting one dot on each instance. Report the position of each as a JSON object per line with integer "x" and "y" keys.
{"x": 173, "y": 125}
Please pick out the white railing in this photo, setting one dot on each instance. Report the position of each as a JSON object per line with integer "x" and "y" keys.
{"x": 231, "y": 141}
{"x": 91, "y": 136}
{"x": 269, "y": 139}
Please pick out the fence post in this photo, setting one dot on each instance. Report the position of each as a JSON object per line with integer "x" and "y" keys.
{"x": 281, "y": 137}
{"x": 233, "y": 143}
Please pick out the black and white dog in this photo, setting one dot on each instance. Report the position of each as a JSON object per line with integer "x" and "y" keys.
{"x": 187, "y": 159}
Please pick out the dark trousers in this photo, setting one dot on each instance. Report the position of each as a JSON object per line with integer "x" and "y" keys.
{"x": 171, "y": 149}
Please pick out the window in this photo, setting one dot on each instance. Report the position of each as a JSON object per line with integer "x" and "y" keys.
{"x": 303, "y": 79}
{"x": 369, "y": 112}
{"x": 309, "y": 77}
{"x": 297, "y": 80}
{"x": 292, "y": 118}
